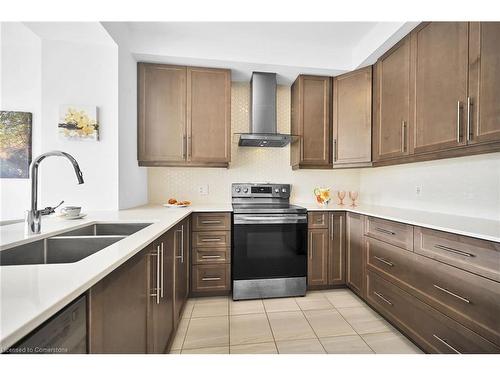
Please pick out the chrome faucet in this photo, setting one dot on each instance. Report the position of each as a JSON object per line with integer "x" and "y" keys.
{"x": 33, "y": 222}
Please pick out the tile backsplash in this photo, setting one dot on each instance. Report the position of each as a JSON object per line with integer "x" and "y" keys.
{"x": 248, "y": 164}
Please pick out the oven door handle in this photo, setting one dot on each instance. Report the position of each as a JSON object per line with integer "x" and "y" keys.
{"x": 270, "y": 219}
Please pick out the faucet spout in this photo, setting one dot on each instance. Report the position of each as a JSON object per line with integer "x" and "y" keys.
{"x": 33, "y": 216}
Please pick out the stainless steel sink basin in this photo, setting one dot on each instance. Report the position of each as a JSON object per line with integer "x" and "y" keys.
{"x": 69, "y": 247}
{"x": 107, "y": 229}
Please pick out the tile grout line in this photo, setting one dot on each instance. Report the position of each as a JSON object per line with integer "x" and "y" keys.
{"x": 312, "y": 329}
{"x": 270, "y": 327}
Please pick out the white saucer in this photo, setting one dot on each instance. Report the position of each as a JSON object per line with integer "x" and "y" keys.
{"x": 66, "y": 217}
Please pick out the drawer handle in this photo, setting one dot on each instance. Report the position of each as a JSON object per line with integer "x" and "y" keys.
{"x": 385, "y": 231}
{"x": 210, "y": 221}
{"x": 390, "y": 264}
{"x": 210, "y": 256}
{"x": 455, "y": 251}
{"x": 211, "y": 240}
{"x": 452, "y": 294}
{"x": 210, "y": 278}
{"x": 381, "y": 296}
{"x": 443, "y": 341}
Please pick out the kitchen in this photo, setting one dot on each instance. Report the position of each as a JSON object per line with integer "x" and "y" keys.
{"x": 224, "y": 206}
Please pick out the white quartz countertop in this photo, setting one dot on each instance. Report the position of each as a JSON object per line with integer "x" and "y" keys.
{"x": 30, "y": 294}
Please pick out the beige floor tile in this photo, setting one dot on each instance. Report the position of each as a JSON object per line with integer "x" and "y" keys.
{"x": 201, "y": 300}
{"x": 213, "y": 350}
{"x": 353, "y": 344}
{"x": 215, "y": 307}
{"x": 207, "y": 332}
{"x": 280, "y": 304}
{"x": 365, "y": 320}
{"x": 308, "y": 346}
{"x": 249, "y": 328}
{"x": 246, "y": 307}
{"x": 328, "y": 323}
{"x": 313, "y": 301}
{"x": 341, "y": 298}
{"x": 180, "y": 334}
{"x": 390, "y": 343}
{"x": 188, "y": 308}
{"x": 174, "y": 352}
{"x": 290, "y": 325}
{"x": 260, "y": 348}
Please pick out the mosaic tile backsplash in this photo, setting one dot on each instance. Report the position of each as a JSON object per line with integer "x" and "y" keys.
{"x": 248, "y": 164}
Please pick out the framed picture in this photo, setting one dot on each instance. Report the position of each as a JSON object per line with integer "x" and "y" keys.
{"x": 78, "y": 122}
{"x": 15, "y": 144}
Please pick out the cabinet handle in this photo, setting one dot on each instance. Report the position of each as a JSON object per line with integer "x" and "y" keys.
{"x": 403, "y": 136}
{"x": 469, "y": 104}
{"x": 331, "y": 226}
{"x": 184, "y": 141}
{"x": 210, "y": 256}
{"x": 381, "y": 296}
{"x": 211, "y": 239}
{"x": 158, "y": 274}
{"x": 385, "y": 231}
{"x": 390, "y": 264}
{"x": 443, "y": 341}
{"x": 161, "y": 267}
{"x": 155, "y": 288}
{"x": 210, "y": 221}
{"x": 310, "y": 246}
{"x": 454, "y": 251}
{"x": 451, "y": 293}
{"x": 459, "y": 137}
{"x": 189, "y": 145}
{"x": 210, "y": 278}
{"x": 334, "y": 150}
{"x": 182, "y": 243}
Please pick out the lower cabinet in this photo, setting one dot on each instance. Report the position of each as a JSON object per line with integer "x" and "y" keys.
{"x": 355, "y": 253}
{"x": 326, "y": 249}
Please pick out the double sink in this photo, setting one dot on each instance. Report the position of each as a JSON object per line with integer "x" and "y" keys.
{"x": 70, "y": 246}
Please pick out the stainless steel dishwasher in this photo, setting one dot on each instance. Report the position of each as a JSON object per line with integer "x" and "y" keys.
{"x": 64, "y": 333}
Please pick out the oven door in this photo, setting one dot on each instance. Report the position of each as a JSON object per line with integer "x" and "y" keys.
{"x": 267, "y": 246}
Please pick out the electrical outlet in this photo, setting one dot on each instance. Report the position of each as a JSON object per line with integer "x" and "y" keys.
{"x": 203, "y": 189}
{"x": 418, "y": 190}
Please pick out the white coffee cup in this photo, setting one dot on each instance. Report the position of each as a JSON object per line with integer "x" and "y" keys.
{"x": 71, "y": 210}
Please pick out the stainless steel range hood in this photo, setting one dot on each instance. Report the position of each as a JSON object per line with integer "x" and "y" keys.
{"x": 263, "y": 126}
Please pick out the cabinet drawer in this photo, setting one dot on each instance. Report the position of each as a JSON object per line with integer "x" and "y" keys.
{"x": 397, "y": 234}
{"x": 211, "y": 277}
{"x": 212, "y": 221}
{"x": 211, "y": 255}
{"x": 317, "y": 220}
{"x": 212, "y": 239}
{"x": 477, "y": 256}
{"x": 433, "y": 331}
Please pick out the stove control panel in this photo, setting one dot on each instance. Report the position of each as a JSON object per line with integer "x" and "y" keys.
{"x": 240, "y": 190}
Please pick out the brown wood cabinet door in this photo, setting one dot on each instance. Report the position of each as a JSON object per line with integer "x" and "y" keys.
{"x": 355, "y": 250}
{"x": 181, "y": 251}
{"x": 161, "y": 302}
{"x": 311, "y": 121}
{"x": 161, "y": 113}
{"x": 484, "y": 82}
{"x": 118, "y": 309}
{"x": 439, "y": 73}
{"x": 317, "y": 262}
{"x": 352, "y": 118}
{"x": 391, "y": 103}
{"x": 209, "y": 115}
{"x": 336, "y": 249}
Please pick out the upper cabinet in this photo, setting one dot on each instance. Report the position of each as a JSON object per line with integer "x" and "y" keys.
{"x": 183, "y": 116}
{"x": 310, "y": 120}
{"x": 436, "y": 94}
{"x": 352, "y": 118}
{"x": 484, "y": 83}
{"x": 391, "y": 103}
{"x": 439, "y": 81}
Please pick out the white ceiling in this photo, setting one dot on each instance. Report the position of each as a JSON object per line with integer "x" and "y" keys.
{"x": 287, "y": 48}
{"x": 76, "y": 32}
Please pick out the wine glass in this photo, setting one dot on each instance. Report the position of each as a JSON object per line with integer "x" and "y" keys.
{"x": 353, "y": 195}
{"x": 341, "y": 195}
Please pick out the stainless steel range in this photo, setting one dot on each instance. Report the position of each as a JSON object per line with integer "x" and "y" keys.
{"x": 269, "y": 252}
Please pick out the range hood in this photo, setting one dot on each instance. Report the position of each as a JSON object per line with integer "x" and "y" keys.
{"x": 263, "y": 126}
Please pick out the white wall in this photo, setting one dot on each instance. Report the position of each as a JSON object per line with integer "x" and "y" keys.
{"x": 133, "y": 189}
{"x": 77, "y": 73}
{"x": 248, "y": 164}
{"x": 20, "y": 90}
{"x": 468, "y": 186}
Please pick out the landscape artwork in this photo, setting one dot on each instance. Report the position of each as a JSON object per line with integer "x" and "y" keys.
{"x": 78, "y": 122}
{"x": 15, "y": 144}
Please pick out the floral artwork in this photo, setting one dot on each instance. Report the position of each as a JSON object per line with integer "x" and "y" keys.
{"x": 15, "y": 144}
{"x": 78, "y": 123}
